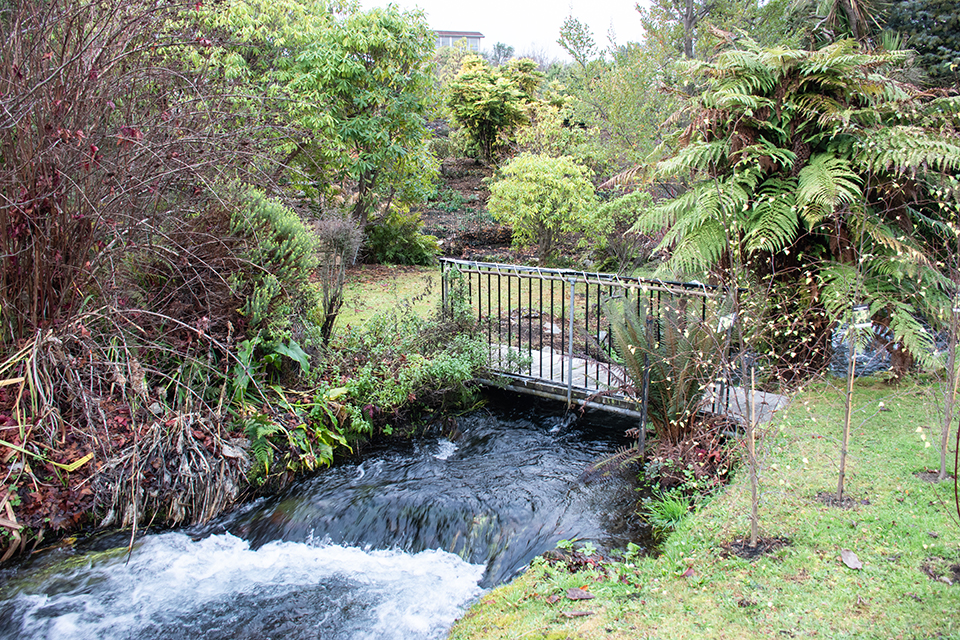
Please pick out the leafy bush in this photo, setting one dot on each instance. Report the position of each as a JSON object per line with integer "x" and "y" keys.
{"x": 285, "y": 253}
{"x": 305, "y": 435}
{"x": 542, "y": 198}
{"x": 626, "y": 248}
{"x": 396, "y": 239}
{"x": 399, "y": 361}
{"x": 490, "y": 103}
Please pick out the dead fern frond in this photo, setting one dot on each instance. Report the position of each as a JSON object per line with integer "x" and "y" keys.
{"x": 605, "y": 468}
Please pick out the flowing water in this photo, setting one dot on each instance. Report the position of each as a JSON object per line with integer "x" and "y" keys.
{"x": 392, "y": 545}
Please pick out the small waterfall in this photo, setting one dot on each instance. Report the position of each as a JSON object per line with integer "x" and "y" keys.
{"x": 393, "y": 546}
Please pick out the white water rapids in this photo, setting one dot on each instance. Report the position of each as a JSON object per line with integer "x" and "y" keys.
{"x": 174, "y": 587}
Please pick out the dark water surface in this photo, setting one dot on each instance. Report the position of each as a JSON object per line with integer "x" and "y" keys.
{"x": 393, "y": 545}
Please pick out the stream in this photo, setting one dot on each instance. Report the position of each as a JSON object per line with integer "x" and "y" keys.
{"x": 391, "y": 545}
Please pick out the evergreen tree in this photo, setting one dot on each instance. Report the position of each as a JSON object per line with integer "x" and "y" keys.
{"x": 932, "y": 28}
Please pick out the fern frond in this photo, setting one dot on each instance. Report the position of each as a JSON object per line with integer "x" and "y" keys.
{"x": 737, "y": 98}
{"x": 605, "y": 467}
{"x": 815, "y": 106}
{"x": 942, "y": 112}
{"x": 624, "y": 178}
{"x": 826, "y": 184}
{"x": 697, "y": 249}
{"x": 773, "y": 222}
{"x": 697, "y": 156}
{"x": 782, "y": 60}
{"x": 765, "y": 149}
{"x": 666, "y": 213}
{"x": 838, "y": 288}
{"x": 888, "y": 238}
{"x": 905, "y": 149}
{"x": 837, "y": 59}
{"x": 916, "y": 337}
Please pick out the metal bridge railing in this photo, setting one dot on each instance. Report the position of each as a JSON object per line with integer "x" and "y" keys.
{"x": 550, "y": 326}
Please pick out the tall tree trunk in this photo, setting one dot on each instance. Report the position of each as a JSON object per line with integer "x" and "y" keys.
{"x": 689, "y": 21}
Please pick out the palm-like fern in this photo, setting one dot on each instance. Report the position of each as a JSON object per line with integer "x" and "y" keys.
{"x": 683, "y": 354}
{"x": 804, "y": 161}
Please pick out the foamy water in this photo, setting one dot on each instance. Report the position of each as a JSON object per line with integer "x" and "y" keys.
{"x": 218, "y": 587}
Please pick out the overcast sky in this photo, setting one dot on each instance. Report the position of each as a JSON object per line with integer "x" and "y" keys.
{"x": 527, "y": 26}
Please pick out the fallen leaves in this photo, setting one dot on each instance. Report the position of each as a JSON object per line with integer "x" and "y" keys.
{"x": 850, "y": 559}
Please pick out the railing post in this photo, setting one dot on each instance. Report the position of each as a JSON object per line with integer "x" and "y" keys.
{"x": 573, "y": 285}
{"x": 443, "y": 287}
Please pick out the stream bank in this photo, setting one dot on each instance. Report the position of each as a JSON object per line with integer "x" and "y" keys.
{"x": 350, "y": 552}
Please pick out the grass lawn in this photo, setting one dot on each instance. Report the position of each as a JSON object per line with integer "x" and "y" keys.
{"x": 373, "y": 288}
{"x": 902, "y": 528}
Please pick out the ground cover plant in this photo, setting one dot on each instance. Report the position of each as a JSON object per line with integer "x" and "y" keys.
{"x": 903, "y": 579}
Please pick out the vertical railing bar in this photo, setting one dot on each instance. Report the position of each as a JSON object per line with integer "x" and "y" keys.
{"x": 489, "y": 315}
{"x": 540, "y": 320}
{"x": 553, "y": 325}
{"x": 499, "y": 321}
{"x": 520, "y": 315}
{"x": 443, "y": 287}
{"x": 660, "y": 314}
{"x": 509, "y": 312}
{"x": 530, "y": 321}
{"x": 609, "y": 347}
{"x": 478, "y": 298}
{"x": 573, "y": 285}
{"x": 563, "y": 328}
{"x": 596, "y": 336}
{"x": 586, "y": 335}
{"x": 469, "y": 289}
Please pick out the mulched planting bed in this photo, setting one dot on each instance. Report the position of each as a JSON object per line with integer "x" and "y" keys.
{"x": 847, "y": 502}
{"x": 742, "y": 549}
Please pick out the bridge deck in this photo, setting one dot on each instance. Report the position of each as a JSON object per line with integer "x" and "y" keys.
{"x": 602, "y": 385}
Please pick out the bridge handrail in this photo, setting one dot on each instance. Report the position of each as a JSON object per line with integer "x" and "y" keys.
{"x": 590, "y": 277}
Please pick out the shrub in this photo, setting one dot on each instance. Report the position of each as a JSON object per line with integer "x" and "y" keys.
{"x": 284, "y": 252}
{"x": 683, "y": 354}
{"x": 626, "y": 248}
{"x": 399, "y": 362}
{"x": 490, "y": 103}
{"x": 542, "y": 198}
{"x": 339, "y": 240}
{"x": 397, "y": 239}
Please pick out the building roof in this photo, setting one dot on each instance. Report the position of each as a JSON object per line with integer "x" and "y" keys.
{"x": 460, "y": 34}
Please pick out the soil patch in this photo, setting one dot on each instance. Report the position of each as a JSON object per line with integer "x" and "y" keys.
{"x": 932, "y": 476}
{"x": 941, "y": 570}
{"x": 741, "y": 548}
{"x": 847, "y": 502}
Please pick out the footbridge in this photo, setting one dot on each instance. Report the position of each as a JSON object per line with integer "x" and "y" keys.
{"x": 549, "y": 334}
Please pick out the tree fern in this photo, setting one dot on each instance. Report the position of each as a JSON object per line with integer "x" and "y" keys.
{"x": 782, "y": 141}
